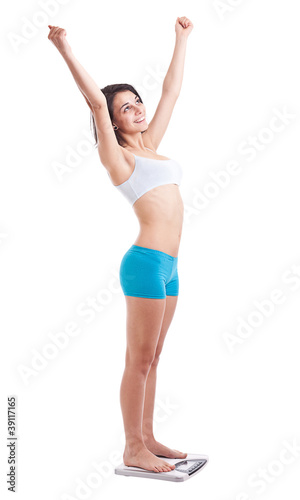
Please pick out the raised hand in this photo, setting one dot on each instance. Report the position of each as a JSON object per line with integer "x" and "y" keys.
{"x": 183, "y": 26}
{"x": 58, "y": 37}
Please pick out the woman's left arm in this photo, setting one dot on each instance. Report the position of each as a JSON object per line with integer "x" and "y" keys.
{"x": 170, "y": 88}
{"x": 173, "y": 79}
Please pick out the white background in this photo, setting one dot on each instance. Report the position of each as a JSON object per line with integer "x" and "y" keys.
{"x": 62, "y": 242}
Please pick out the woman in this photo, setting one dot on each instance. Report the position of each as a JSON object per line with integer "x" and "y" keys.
{"x": 127, "y": 147}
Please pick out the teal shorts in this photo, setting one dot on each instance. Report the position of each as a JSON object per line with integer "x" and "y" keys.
{"x": 145, "y": 272}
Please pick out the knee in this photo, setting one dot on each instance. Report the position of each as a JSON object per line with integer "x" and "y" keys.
{"x": 155, "y": 359}
{"x": 140, "y": 363}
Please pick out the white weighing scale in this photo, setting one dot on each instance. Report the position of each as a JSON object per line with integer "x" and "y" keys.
{"x": 184, "y": 469}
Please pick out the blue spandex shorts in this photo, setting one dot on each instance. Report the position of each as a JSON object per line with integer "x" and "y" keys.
{"x": 145, "y": 272}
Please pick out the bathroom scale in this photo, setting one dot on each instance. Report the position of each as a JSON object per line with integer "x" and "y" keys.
{"x": 184, "y": 469}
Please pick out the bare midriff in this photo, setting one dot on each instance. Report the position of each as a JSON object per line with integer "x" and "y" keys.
{"x": 160, "y": 215}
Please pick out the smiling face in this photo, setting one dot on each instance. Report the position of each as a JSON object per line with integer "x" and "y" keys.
{"x": 128, "y": 111}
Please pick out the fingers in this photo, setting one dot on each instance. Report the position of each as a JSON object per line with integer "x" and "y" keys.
{"x": 55, "y": 29}
{"x": 184, "y": 21}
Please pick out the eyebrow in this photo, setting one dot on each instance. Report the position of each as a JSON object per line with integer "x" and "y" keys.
{"x": 127, "y": 103}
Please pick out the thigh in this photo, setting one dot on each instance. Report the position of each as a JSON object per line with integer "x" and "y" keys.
{"x": 143, "y": 326}
{"x": 171, "y": 302}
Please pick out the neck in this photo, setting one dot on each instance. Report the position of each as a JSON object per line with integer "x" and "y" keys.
{"x": 134, "y": 141}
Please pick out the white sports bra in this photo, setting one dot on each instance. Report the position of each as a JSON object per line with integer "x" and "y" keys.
{"x": 149, "y": 173}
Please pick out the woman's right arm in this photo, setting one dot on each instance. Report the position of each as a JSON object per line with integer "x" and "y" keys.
{"x": 86, "y": 84}
{"x": 109, "y": 150}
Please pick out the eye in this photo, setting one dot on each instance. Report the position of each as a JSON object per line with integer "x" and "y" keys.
{"x": 137, "y": 100}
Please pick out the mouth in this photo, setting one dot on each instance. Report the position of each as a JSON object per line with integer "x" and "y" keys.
{"x": 141, "y": 120}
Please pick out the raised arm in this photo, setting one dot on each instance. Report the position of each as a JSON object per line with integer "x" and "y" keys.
{"x": 90, "y": 90}
{"x": 173, "y": 79}
{"x": 171, "y": 85}
{"x": 109, "y": 150}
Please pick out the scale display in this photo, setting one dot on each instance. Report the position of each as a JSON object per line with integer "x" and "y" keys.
{"x": 190, "y": 466}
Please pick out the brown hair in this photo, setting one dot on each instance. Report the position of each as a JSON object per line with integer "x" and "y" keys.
{"x": 110, "y": 92}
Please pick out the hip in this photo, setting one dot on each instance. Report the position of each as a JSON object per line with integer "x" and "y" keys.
{"x": 147, "y": 272}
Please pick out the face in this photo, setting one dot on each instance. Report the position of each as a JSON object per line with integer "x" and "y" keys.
{"x": 128, "y": 109}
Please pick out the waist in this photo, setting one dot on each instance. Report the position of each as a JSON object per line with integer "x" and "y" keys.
{"x": 163, "y": 237}
{"x": 160, "y": 206}
{"x": 160, "y": 214}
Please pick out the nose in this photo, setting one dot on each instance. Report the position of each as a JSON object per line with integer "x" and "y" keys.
{"x": 140, "y": 113}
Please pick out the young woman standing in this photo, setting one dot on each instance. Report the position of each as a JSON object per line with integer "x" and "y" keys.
{"x": 127, "y": 147}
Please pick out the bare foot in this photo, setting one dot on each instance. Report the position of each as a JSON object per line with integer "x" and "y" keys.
{"x": 144, "y": 459}
{"x": 163, "y": 451}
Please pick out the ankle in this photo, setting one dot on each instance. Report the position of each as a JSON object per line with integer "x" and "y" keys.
{"x": 148, "y": 438}
{"x": 134, "y": 445}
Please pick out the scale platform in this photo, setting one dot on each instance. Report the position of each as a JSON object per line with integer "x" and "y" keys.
{"x": 184, "y": 469}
